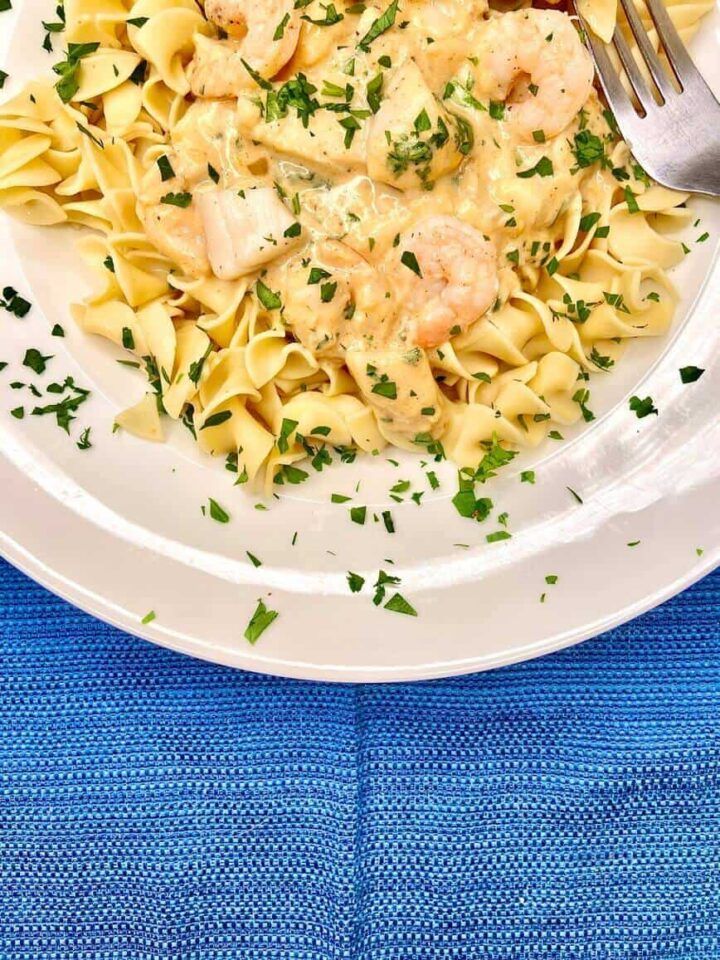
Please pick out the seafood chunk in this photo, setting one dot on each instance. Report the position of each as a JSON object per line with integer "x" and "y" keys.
{"x": 245, "y": 229}
{"x": 263, "y": 35}
{"x": 412, "y": 139}
{"x": 446, "y": 277}
{"x": 535, "y": 61}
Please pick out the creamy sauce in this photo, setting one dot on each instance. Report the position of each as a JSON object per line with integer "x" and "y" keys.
{"x": 376, "y": 147}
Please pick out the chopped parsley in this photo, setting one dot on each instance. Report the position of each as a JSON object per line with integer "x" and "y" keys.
{"x": 355, "y": 582}
{"x": 543, "y": 168}
{"x": 383, "y": 580}
{"x": 385, "y": 388}
{"x": 327, "y": 292}
{"x": 690, "y": 374}
{"x": 316, "y": 274}
{"x": 177, "y": 199}
{"x": 290, "y": 474}
{"x": 84, "y": 442}
{"x": 267, "y": 297}
{"x": 496, "y": 109}
{"x": 581, "y": 397}
{"x": 497, "y": 536}
{"x": 90, "y": 135}
{"x": 217, "y": 512}
{"x": 373, "y": 92}
{"x": 280, "y": 28}
{"x": 259, "y": 622}
{"x": 358, "y": 515}
{"x": 286, "y": 428}
{"x": 466, "y": 503}
{"x": 643, "y": 407}
{"x": 14, "y": 304}
{"x": 166, "y": 170}
{"x": 388, "y": 521}
{"x": 65, "y": 408}
{"x": 600, "y": 361}
{"x": 495, "y": 457}
{"x": 56, "y": 27}
{"x": 631, "y": 201}
{"x": 35, "y": 360}
{"x": 588, "y": 221}
{"x": 380, "y": 25}
{"x": 588, "y": 149}
{"x": 398, "y": 604}
{"x": 68, "y": 84}
{"x": 331, "y": 17}
{"x": 409, "y": 260}
{"x": 215, "y": 419}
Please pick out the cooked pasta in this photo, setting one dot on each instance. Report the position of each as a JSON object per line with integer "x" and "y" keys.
{"x": 336, "y": 227}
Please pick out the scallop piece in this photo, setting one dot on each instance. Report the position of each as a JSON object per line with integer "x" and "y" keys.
{"x": 245, "y": 230}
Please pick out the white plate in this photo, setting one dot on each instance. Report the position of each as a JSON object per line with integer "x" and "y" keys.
{"x": 118, "y": 529}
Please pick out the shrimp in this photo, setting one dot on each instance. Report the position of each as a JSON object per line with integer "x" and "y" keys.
{"x": 446, "y": 276}
{"x": 536, "y": 62}
{"x": 264, "y": 35}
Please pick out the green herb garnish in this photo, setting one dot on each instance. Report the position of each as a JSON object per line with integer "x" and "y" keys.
{"x": 380, "y": 25}
{"x": 259, "y": 622}
{"x": 643, "y": 407}
{"x": 267, "y": 297}
{"x": 398, "y": 604}
{"x": 217, "y": 512}
{"x": 177, "y": 199}
{"x": 690, "y": 374}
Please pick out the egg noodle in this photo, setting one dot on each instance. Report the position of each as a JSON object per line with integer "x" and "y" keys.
{"x": 333, "y": 227}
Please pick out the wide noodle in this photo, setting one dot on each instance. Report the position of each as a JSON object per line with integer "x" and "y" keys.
{"x": 580, "y": 258}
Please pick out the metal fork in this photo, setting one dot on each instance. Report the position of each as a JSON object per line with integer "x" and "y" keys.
{"x": 676, "y": 137}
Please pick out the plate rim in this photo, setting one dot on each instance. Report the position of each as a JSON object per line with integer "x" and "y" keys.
{"x": 243, "y": 657}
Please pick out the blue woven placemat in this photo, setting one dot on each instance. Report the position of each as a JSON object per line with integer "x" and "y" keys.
{"x": 154, "y": 807}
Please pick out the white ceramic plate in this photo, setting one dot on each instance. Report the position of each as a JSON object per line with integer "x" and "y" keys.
{"x": 118, "y": 529}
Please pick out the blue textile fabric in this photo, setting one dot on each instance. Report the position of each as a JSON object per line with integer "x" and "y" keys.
{"x": 153, "y": 807}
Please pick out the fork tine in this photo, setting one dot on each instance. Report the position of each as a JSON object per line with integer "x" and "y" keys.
{"x": 678, "y": 57}
{"x": 637, "y": 81}
{"x": 652, "y": 61}
{"x": 616, "y": 94}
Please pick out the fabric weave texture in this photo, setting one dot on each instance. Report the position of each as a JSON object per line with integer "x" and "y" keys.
{"x": 153, "y": 807}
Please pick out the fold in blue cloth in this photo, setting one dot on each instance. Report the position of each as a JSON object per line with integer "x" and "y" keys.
{"x": 153, "y": 807}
